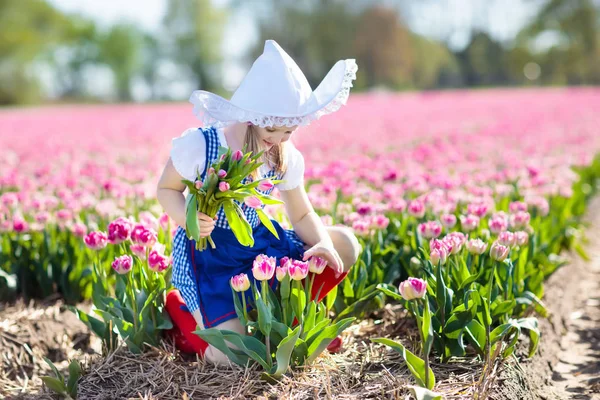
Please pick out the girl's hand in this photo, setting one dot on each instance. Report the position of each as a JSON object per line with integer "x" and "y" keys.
{"x": 206, "y": 223}
{"x": 328, "y": 252}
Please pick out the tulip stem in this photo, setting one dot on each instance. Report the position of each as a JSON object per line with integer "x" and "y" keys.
{"x": 423, "y": 348}
{"x": 132, "y": 295}
{"x": 244, "y": 305}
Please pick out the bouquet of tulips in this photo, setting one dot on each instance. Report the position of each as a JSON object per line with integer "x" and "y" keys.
{"x": 285, "y": 327}
{"x": 226, "y": 185}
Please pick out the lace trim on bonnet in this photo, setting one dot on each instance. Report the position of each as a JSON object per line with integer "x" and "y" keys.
{"x": 206, "y": 104}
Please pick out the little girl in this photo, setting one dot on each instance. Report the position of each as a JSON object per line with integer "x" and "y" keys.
{"x": 271, "y": 102}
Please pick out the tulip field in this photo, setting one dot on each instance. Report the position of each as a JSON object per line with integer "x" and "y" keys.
{"x": 464, "y": 204}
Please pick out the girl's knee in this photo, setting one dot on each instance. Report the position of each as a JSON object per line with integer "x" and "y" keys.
{"x": 349, "y": 247}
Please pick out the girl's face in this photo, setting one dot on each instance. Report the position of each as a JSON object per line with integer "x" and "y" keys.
{"x": 271, "y": 136}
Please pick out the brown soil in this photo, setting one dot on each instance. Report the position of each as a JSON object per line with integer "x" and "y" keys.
{"x": 29, "y": 332}
{"x": 567, "y": 365}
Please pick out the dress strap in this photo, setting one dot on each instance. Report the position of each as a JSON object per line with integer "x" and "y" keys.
{"x": 211, "y": 137}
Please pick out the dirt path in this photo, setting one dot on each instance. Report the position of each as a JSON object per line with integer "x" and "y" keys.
{"x": 578, "y": 371}
{"x": 567, "y": 365}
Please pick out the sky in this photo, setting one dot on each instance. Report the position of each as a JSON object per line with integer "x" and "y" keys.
{"x": 448, "y": 20}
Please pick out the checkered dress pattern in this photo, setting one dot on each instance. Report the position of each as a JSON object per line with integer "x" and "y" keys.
{"x": 183, "y": 278}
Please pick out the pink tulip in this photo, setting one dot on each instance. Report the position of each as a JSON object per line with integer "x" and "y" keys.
{"x": 516, "y": 206}
{"x": 507, "y": 239}
{"x": 317, "y": 265}
{"x": 210, "y": 171}
{"x": 19, "y": 225}
{"x": 499, "y": 252}
{"x": 520, "y": 219}
{"x": 9, "y": 199}
{"x": 79, "y": 229}
{"x": 476, "y": 246}
{"x": 240, "y": 283}
{"x": 522, "y": 238}
{"x": 263, "y": 267}
{"x": 224, "y": 186}
{"x": 253, "y": 202}
{"x": 96, "y": 240}
{"x": 42, "y": 217}
{"x": 361, "y": 228}
{"x": 469, "y": 223}
{"x": 198, "y": 185}
{"x": 413, "y": 288}
{"x": 157, "y": 261}
{"x": 416, "y": 208}
{"x": 430, "y": 229}
{"x": 136, "y": 231}
{"x": 398, "y": 205}
{"x": 298, "y": 269}
{"x": 122, "y": 264}
{"x": 379, "y": 221}
{"x": 138, "y": 250}
{"x": 119, "y": 230}
{"x": 265, "y": 185}
{"x": 448, "y": 220}
{"x": 438, "y": 256}
{"x": 477, "y": 209}
{"x": 498, "y": 224}
{"x": 147, "y": 238}
{"x": 281, "y": 272}
{"x": 164, "y": 221}
{"x": 237, "y": 155}
{"x": 222, "y": 174}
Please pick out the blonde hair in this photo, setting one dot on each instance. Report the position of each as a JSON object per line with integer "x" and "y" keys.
{"x": 274, "y": 157}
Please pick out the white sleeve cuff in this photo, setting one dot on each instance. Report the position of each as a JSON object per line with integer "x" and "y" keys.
{"x": 294, "y": 175}
{"x": 188, "y": 153}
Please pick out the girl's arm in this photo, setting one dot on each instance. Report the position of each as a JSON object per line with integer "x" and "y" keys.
{"x": 169, "y": 193}
{"x": 309, "y": 227}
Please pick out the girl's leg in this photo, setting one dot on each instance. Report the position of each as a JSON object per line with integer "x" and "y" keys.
{"x": 185, "y": 324}
{"x": 216, "y": 356}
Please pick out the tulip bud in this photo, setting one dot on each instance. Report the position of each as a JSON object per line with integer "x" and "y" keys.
{"x": 222, "y": 173}
{"x": 499, "y": 252}
{"x": 317, "y": 265}
{"x": 298, "y": 270}
{"x": 416, "y": 208}
{"x": 438, "y": 256}
{"x": 237, "y": 156}
{"x": 253, "y": 202}
{"x": 198, "y": 185}
{"x": 122, "y": 264}
{"x": 469, "y": 222}
{"x": 413, "y": 288}
{"x": 507, "y": 238}
{"x": 240, "y": 283}
{"x": 281, "y": 272}
{"x": 224, "y": 186}
{"x": 522, "y": 238}
{"x": 476, "y": 246}
{"x": 263, "y": 267}
{"x": 448, "y": 220}
{"x": 265, "y": 185}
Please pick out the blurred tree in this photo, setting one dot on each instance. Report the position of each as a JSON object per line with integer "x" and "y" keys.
{"x": 194, "y": 34}
{"x": 120, "y": 49}
{"x": 27, "y": 29}
{"x": 568, "y": 32}
{"x": 383, "y": 48}
{"x": 434, "y": 65}
{"x": 483, "y": 61}
{"x": 79, "y": 50}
